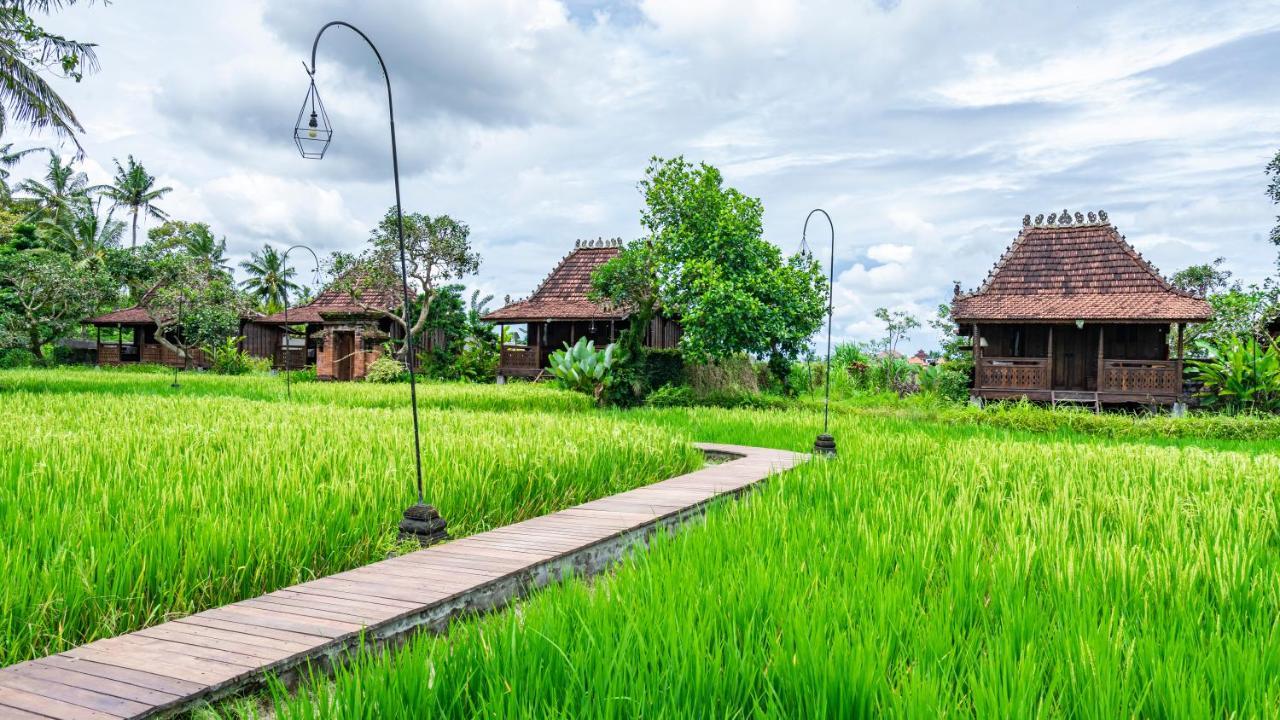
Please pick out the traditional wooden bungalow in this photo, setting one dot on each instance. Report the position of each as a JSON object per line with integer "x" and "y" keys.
{"x": 560, "y": 312}
{"x": 1072, "y": 313}
{"x": 341, "y": 335}
{"x": 132, "y": 339}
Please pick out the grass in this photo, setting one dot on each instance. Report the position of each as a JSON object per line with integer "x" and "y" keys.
{"x": 931, "y": 570}
{"x": 1015, "y": 562}
{"x": 121, "y": 509}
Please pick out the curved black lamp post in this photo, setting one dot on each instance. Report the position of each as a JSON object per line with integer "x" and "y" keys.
{"x": 288, "y": 349}
{"x": 825, "y": 444}
{"x": 184, "y": 352}
{"x": 421, "y": 521}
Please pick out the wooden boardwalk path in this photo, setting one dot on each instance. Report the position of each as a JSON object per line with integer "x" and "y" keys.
{"x": 168, "y": 668}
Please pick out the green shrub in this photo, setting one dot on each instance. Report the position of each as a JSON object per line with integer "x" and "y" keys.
{"x": 229, "y": 359}
{"x": 663, "y": 367}
{"x": 16, "y": 358}
{"x": 671, "y": 396}
{"x": 306, "y": 374}
{"x": 729, "y": 375}
{"x": 944, "y": 382}
{"x": 385, "y": 369}
{"x": 1239, "y": 375}
{"x": 583, "y": 368}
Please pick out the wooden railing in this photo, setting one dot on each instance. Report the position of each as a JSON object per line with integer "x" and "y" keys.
{"x": 1013, "y": 373}
{"x": 1155, "y": 377}
{"x": 520, "y": 357}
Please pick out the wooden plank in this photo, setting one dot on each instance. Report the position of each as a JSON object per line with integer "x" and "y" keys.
{"x": 205, "y": 638}
{"x": 341, "y": 604}
{"x": 253, "y": 631}
{"x": 204, "y": 673}
{"x": 128, "y": 691}
{"x": 79, "y": 696}
{"x": 229, "y": 636}
{"x": 45, "y": 707}
{"x": 361, "y": 597}
{"x": 310, "y": 613}
{"x": 326, "y": 629}
{"x": 150, "y": 681}
{"x": 170, "y": 648}
{"x": 8, "y": 712}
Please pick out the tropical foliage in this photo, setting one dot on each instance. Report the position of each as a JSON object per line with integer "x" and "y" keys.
{"x": 1239, "y": 374}
{"x": 26, "y": 51}
{"x": 583, "y": 368}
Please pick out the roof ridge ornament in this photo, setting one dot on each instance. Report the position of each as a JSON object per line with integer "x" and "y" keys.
{"x": 1066, "y": 219}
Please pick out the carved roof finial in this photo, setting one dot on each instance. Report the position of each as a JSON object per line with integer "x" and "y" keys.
{"x": 1026, "y": 221}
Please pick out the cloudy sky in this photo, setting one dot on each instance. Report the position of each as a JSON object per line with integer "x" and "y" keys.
{"x": 927, "y": 128}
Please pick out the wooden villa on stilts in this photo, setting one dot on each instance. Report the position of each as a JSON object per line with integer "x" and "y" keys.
{"x": 1073, "y": 314}
{"x": 560, "y": 312}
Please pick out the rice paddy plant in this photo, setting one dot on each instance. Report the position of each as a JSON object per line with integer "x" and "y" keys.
{"x": 928, "y": 571}
{"x": 121, "y": 509}
{"x": 524, "y": 397}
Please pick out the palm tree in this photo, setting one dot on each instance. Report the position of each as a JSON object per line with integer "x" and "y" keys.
{"x": 134, "y": 188}
{"x": 268, "y": 280}
{"x": 27, "y": 50}
{"x": 8, "y": 158}
{"x": 83, "y": 233}
{"x": 205, "y": 247}
{"x": 63, "y": 185}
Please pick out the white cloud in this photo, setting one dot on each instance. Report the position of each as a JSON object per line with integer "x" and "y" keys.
{"x": 927, "y": 128}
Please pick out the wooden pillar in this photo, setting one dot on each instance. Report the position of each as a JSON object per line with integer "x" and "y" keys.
{"x": 1178, "y": 389}
{"x": 1048, "y": 365}
{"x": 1101, "y": 334}
{"x": 977, "y": 357}
{"x": 611, "y": 336}
{"x": 119, "y": 344}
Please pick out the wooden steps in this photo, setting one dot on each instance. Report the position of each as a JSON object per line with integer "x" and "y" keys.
{"x": 1075, "y": 397}
{"x": 170, "y": 667}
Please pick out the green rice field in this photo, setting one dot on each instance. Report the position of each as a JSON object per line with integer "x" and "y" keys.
{"x": 126, "y": 503}
{"x": 942, "y": 565}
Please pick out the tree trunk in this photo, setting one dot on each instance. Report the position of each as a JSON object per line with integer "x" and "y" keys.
{"x": 134, "y": 244}
{"x": 37, "y": 347}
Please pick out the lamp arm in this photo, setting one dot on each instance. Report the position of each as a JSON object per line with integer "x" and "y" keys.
{"x": 831, "y": 280}
{"x": 404, "y": 276}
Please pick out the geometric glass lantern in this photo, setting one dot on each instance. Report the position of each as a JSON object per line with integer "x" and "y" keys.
{"x": 312, "y": 131}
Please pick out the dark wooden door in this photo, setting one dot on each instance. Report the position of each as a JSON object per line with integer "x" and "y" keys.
{"x": 344, "y": 345}
{"x": 1075, "y": 358}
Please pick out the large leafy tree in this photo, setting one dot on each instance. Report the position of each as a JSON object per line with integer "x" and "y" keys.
{"x": 44, "y": 294}
{"x": 196, "y": 238}
{"x": 193, "y": 303}
{"x": 268, "y": 280}
{"x": 27, "y": 51}
{"x": 437, "y": 249}
{"x": 135, "y": 189}
{"x": 705, "y": 262}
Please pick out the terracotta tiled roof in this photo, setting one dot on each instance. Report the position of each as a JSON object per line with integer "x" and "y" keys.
{"x": 135, "y": 315}
{"x": 1075, "y": 268}
{"x": 334, "y": 302}
{"x": 563, "y": 294}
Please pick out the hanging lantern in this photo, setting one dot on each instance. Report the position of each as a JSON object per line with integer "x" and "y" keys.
{"x": 312, "y": 131}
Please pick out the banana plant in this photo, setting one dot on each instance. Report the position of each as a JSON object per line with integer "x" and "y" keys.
{"x": 583, "y": 368}
{"x": 1240, "y": 374}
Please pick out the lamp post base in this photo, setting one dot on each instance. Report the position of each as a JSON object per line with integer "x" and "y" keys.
{"x": 824, "y": 445}
{"x": 423, "y": 524}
